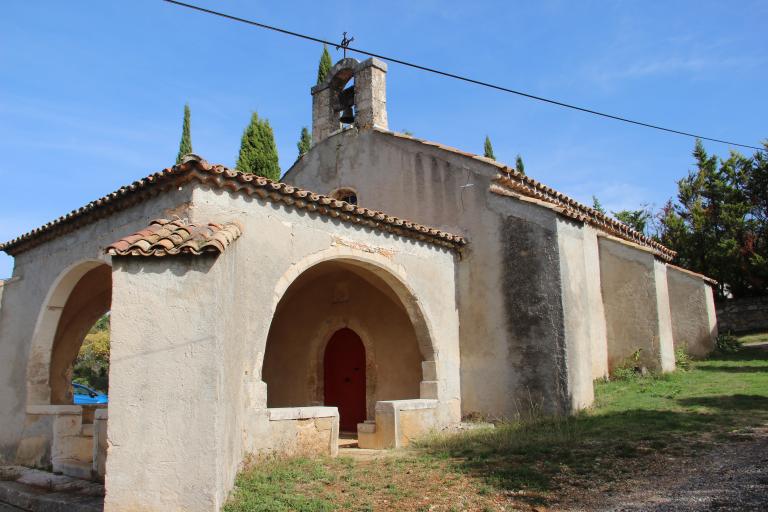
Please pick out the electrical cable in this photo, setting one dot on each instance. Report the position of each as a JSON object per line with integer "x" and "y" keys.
{"x": 458, "y": 77}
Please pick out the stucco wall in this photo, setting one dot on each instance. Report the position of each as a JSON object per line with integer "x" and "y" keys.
{"x": 690, "y": 299}
{"x": 169, "y": 330}
{"x": 308, "y": 317}
{"x": 200, "y": 356}
{"x": 636, "y": 305}
{"x": 595, "y": 311}
{"x": 28, "y": 324}
{"x": 577, "y": 308}
{"x": 509, "y": 287}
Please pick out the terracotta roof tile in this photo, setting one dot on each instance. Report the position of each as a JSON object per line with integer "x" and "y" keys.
{"x": 509, "y": 180}
{"x": 166, "y": 237}
{"x": 197, "y": 170}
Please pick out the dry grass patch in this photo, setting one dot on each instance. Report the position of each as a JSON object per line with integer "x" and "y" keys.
{"x": 638, "y": 426}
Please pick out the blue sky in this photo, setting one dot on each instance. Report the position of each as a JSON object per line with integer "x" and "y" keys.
{"x": 91, "y": 93}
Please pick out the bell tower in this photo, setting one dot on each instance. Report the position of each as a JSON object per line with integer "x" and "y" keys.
{"x": 336, "y": 103}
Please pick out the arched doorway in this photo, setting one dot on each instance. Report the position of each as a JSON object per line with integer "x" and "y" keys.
{"x": 348, "y": 297}
{"x": 344, "y": 378}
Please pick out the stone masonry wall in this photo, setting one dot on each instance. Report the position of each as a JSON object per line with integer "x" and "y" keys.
{"x": 743, "y": 315}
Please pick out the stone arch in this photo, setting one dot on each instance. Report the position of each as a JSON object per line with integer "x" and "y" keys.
{"x": 382, "y": 349}
{"x": 382, "y": 266}
{"x": 79, "y": 296}
{"x": 346, "y": 194}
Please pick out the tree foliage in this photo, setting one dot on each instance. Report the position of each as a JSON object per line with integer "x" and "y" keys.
{"x": 185, "y": 146}
{"x": 519, "y": 165}
{"x": 597, "y": 205}
{"x": 636, "y": 219}
{"x": 719, "y": 223}
{"x": 325, "y": 66}
{"x": 258, "y": 152}
{"x": 488, "y": 149}
{"x": 305, "y": 142}
{"x": 91, "y": 366}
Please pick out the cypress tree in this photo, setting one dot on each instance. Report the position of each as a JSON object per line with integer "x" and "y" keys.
{"x": 258, "y": 152}
{"x": 489, "y": 149}
{"x": 519, "y": 165}
{"x": 325, "y": 66}
{"x": 305, "y": 142}
{"x": 185, "y": 146}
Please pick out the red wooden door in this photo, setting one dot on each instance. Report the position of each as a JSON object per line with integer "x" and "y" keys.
{"x": 344, "y": 379}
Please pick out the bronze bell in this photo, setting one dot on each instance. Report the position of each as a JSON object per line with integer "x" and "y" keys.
{"x": 347, "y": 116}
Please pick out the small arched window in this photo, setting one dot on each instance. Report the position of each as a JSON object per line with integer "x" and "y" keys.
{"x": 346, "y": 194}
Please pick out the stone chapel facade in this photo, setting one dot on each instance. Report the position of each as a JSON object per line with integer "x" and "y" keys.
{"x": 417, "y": 284}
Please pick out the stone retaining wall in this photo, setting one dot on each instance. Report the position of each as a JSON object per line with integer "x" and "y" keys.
{"x": 743, "y": 315}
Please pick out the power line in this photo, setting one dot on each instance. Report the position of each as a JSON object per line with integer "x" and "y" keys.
{"x": 457, "y": 77}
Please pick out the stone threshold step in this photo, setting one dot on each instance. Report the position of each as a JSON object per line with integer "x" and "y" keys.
{"x": 33, "y": 499}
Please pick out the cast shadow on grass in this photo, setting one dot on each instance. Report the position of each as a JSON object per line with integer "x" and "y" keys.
{"x": 734, "y": 369}
{"x": 745, "y": 353}
{"x": 728, "y": 403}
{"x": 590, "y": 448}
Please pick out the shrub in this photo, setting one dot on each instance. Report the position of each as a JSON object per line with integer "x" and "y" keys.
{"x": 727, "y": 343}
{"x": 682, "y": 359}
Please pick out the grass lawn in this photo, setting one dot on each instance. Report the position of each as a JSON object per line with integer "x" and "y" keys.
{"x": 634, "y": 423}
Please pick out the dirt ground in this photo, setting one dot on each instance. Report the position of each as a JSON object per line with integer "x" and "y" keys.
{"x": 732, "y": 476}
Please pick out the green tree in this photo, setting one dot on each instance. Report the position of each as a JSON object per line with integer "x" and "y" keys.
{"x": 325, "y": 66}
{"x": 258, "y": 152}
{"x": 185, "y": 146}
{"x": 488, "y": 150}
{"x": 305, "y": 142}
{"x": 91, "y": 366}
{"x": 718, "y": 224}
{"x": 597, "y": 205}
{"x": 519, "y": 165}
{"x": 636, "y": 219}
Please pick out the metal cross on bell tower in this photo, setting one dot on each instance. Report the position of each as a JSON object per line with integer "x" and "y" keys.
{"x": 345, "y": 43}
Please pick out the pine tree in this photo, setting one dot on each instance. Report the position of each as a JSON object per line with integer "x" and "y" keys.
{"x": 185, "y": 146}
{"x": 519, "y": 165}
{"x": 258, "y": 153}
{"x": 489, "y": 149}
{"x": 305, "y": 142}
{"x": 325, "y": 66}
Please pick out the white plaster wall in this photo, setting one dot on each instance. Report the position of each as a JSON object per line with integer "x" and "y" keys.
{"x": 692, "y": 308}
{"x": 167, "y": 390}
{"x": 666, "y": 343}
{"x": 282, "y": 243}
{"x": 204, "y": 340}
{"x": 24, "y": 298}
{"x": 577, "y": 317}
{"x": 595, "y": 311}
{"x": 508, "y": 281}
{"x": 636, "y": 305}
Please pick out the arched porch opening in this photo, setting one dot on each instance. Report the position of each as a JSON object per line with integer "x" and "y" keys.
{"x": 337, "y": 296}
{"x": 78, "y": 299}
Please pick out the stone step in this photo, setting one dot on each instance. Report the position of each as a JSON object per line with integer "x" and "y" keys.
{"x": 33, "y": 499}
{"x": 74, "y": 468}
{"x": 79, "y": 448}
{"x": 369, "y": 427}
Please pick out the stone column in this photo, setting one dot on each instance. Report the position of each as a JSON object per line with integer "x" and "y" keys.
{"x": 636, "y": 303}
{"x": 324, "y": 119}
{"x": 371, "y": 94}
